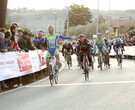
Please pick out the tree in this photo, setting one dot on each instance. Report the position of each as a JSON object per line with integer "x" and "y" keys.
{"x": 78, "y": 15}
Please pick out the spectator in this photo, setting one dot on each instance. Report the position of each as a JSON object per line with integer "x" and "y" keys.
{"x": 9, "y": 43}
{"x": 41, "y": 43}
{"x": 14, "y": 24}
{"x": 2, "y": 43}
{"x": 24, "y": 42}
{"x": 29, "y": 42}
{"x": 19, "y": 34}
{"x": 133, "y": 41}
{"x": 13, "y": 32}
{"x": 3, "y": 30}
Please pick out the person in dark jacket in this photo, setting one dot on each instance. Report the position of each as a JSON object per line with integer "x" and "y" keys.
{"x": 24, "y": 43}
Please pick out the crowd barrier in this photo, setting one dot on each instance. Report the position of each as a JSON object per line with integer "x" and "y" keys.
{"x": 15, "y": 64}
{"x": 129, "y": 51}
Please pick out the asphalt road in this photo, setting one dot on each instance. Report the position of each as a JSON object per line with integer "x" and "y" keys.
{"x": 109, "y": 89}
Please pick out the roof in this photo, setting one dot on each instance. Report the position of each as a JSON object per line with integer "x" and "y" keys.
{"x": 121, "y": 22}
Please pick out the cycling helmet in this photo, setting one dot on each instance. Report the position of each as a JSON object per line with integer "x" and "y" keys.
{"x": 105, "y": 39}
{"x": 50, "y": 27}
{"x": 81, "y": 36}
{"x": 20, "y": 30}
{"x": 99, "y": 34}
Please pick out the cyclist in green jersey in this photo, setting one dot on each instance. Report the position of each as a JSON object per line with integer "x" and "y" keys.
{"x": 100, "y": 44}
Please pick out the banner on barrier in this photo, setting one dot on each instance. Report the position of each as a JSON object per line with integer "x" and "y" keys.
{"x": 24, "y": 62}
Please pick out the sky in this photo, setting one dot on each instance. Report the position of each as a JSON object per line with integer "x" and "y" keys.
{"x": 60, "y": 4}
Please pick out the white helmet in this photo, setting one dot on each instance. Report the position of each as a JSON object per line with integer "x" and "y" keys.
{"x": 50, "y": 27}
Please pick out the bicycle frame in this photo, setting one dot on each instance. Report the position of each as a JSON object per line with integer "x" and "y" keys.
{"x": 68, "y": 58}
{"x": 100, "y": 59}
{"x": 106, "y": 62}
{"x": 120, "y": 57}
{"x": 52, "y": 71}
{"x": 85, "y": 65}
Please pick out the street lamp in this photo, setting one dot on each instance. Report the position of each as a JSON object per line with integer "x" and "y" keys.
{"x": 59, "y": 26}
{"x": 67, "y": 21}
{"x": 109, "y": 21}
{"x": 97, "y": 16}
{"x": 55, "y": 20}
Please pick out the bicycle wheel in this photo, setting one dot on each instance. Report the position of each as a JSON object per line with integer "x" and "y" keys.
{"x": 120, "y": 58}
{"x": 85, "y": 65}
{"x": 100, "y": 62}
{"x": 67, "y": 60}
{"x": 56, "y": 77}
{"x": 51, "y": 77}
{"x": 107, "y": 60}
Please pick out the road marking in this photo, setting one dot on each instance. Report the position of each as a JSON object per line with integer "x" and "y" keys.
{"x": 79, "y": 84}
{"x": 20, "y": 87}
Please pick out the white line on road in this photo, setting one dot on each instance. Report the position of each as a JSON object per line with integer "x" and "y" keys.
{"x": 33, "y": 82}
{"x": 79, "y": 84}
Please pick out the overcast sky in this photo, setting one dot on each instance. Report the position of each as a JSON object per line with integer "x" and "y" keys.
{"x": 60, "y": 4}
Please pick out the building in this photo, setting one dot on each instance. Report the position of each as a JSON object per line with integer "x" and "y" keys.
{"x": 116, "y": 25}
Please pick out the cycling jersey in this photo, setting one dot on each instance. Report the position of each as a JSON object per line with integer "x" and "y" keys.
{"x": 83, "y": 46}
{"x": 68, "y": 47}
{"x": 99, "y": 43}
{"x": 52, "y": 42}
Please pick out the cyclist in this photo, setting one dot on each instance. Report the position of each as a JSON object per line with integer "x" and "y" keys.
{"x": 116, "y": 45}
{"x": 100, "y": 44}
{"x": 83, "y": 46}
{"x": 52, "y": 44}
{"x": 67, "y": 49}
{"x": 108, "y": 49}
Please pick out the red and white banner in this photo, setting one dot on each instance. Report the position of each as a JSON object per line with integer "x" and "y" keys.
{"x": 24, "y": 62}
{"x": 15, "y": 64}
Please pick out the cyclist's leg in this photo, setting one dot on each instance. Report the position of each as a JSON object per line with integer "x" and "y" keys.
{"x": 90, "y": 59}
{"x": 78, "y": 59}
{"x": 116, "y": 51}
{"x": 81, "y": 61}
{"x": 70, "y": 58}
{"x": 103, "y": 55}
{"x": 98, "y": 54}
{"x": 48, "y": 55}
{"x": 56, "y": 53}
{"x": 65, "y": 54}
{"x": 108, "y": 58}
{"x": 117, "y": 56}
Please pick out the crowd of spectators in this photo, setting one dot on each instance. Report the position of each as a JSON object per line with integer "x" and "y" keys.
{"x": 129, "y": 38}
{"x": 18, "y": 39}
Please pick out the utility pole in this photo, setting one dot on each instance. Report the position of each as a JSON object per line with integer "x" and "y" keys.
{"x": 59, "y": 26}
{"x": 97, "y": 17}
{"x": 67, "y": 21}
{"x": 109, "y": 21}
{"x": 55, "y": 20}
